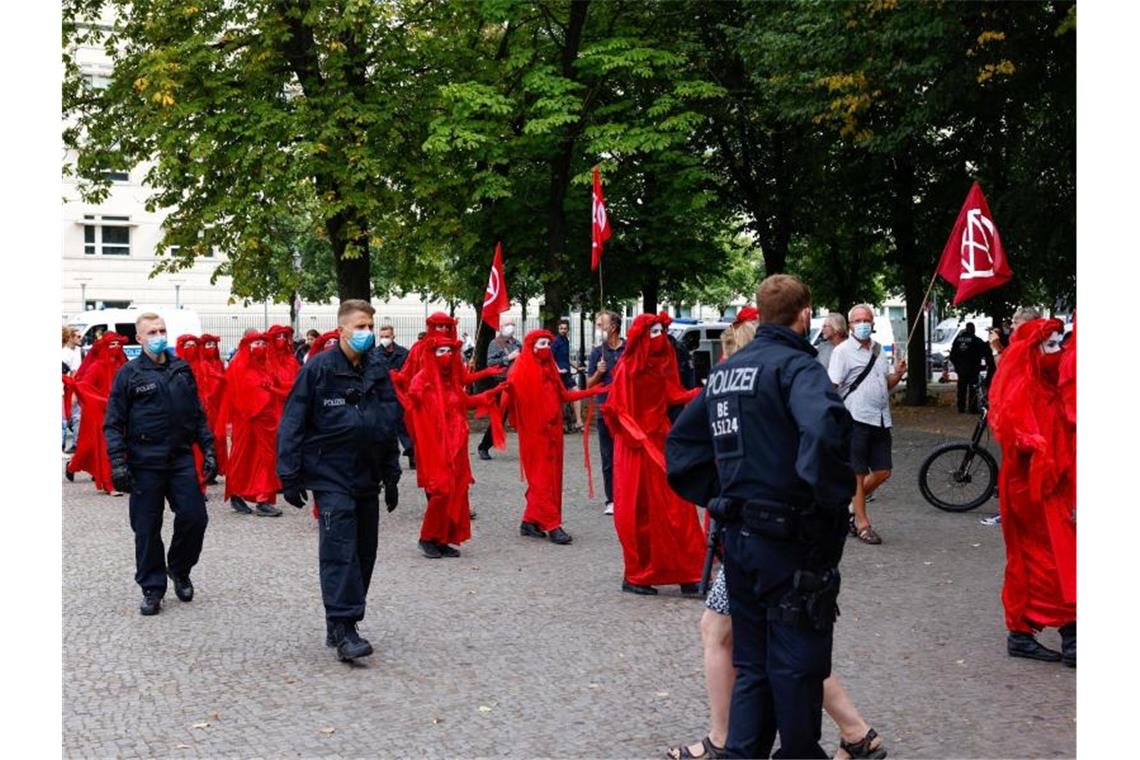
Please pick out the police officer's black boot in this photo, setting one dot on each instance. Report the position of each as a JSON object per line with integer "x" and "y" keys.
{"x": 151, "y": 603}
{"x": 348, "y": 643}
{"x": 411, "y": 461}
{"x": 1069, "y": 644}
{"x": 559, "y": 536}
{"x": 183, "y": 588}
{"x": 1024, "y": 645}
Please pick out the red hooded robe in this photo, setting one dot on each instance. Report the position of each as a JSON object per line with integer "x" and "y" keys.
{"x": 254, "y": 410}
{"x": 435, "y": 409}
{"x": 188, "y": 348}
{"x": 660, "y": 533}
{"x": 1036, "y": 483}
{"x": 534, "y": 394}
{"x": 212, "y": 388}
{"x": 92, "y": 384}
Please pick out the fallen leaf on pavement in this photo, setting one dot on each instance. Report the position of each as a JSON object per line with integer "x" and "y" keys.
{"x": 214, "y": 716}
{"x": 328, "y": 730}
{"x": 437, "y": 720}
{"x": 181, "y": 746}
{"x": 595, "y": 686}
{"x": 928, "y": 563}
{"x": 662, "y": 693}
{"x": 290, "y": 679}
{"x": 975, "y": 545}
{"x": 203, "y": 724}
{"x": 484, "y": 709}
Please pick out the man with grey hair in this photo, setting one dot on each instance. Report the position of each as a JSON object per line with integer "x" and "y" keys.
{"x": 831, "y": 334}
{"x": 154, "y": 418}
{"x": 864, "y": 379}
{"x": 502, "y": 353}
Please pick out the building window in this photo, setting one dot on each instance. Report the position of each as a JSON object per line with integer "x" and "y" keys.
{"x": 112, "y": 239}
{"x": 97, "y": 81}
{"x": 118, "y": 176}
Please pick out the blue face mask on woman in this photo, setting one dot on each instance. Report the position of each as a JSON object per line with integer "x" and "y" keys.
{"x": 862, "y": 331}
{"x": 361, "y": 340}
{"x": 156, "y": 345}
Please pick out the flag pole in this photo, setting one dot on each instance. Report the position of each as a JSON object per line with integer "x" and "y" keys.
{"x": 601, "y": 289}
{"x": 913, "y": 327}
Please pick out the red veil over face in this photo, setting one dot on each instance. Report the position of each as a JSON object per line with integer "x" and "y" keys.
{"x": 211, "y": 378}
{"x": 254, "y": 408}
{"x": 1037, "y": 481}
{"x": 323, "y": 343}
{"x": 533, "y": 395}
{"x": 660, "y": 534}
{"x": 282, "y": 363}
{"x": 188, "y": 347}
{"x": 92, "y": 384}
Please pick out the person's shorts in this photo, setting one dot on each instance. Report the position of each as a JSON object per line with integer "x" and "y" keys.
{"x": 717, "y": 600}
{"x": 870, "y": 448}
{"x": 568, "y": 380}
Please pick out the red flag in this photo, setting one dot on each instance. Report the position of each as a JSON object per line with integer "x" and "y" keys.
{"x": 974, "y": 260}
{"x": 495, "y": 300}
{"x": 601, "y": 222}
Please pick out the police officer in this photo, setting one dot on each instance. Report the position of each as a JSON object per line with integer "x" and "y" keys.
{"x": 153, "y": 419}
{"x": 967, "y": 355}
{"x": 338, "y": 439}
{"x": 766, "y": 447}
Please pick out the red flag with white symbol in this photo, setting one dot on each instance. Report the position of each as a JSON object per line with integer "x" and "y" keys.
{"x": 974, "y": 260}
{"x": 601, "y": 222}
{"x": 495, "y": 300}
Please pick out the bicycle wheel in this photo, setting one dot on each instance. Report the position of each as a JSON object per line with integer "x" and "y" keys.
{"x": 958, "y": 477}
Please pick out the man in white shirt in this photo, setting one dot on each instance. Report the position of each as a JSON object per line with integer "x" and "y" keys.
{"x": 866, "y": 394}
{"x": 72, "y": 358}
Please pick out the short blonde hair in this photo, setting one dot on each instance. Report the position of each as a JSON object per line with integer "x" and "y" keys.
{"x": 146, "y": 316}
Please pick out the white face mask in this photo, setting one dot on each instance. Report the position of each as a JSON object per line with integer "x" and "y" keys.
{"x": 599, "y": 335}
{"x": 508, "y": 331}
{"x": 443, "y": 351}
{"x": 656, "y": 331}
{"x": 1053, "y": 344}
{"x": 385, "y": 342}
{"x": 542, "y": 344}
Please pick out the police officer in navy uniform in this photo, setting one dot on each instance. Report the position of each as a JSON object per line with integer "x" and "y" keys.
{"x": 338, "y": 439}
{"x": 765, "y": 446}
{"x": 153, "y": 419}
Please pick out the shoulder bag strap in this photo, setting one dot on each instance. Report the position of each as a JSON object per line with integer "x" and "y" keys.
{"x": 863, "y": 375}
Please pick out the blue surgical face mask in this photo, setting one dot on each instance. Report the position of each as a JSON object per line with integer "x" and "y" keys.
{"x": 156, "y": 345}
{"x": 361, "y": 340}
{"x": 862, "y": 331}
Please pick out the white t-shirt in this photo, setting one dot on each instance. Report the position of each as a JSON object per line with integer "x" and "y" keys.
{"x": 870, "y": 403}
{"x": 72, "y": 357}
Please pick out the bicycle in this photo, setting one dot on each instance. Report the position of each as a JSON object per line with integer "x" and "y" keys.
{"x": 960, "y": 476}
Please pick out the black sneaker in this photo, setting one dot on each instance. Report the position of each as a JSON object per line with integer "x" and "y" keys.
{"x": 633, "y": 588}
{"x": 531, "y": 530}
{"x": 1024, "y": 645}
{"x": 559, "y": 536}
{"x": 348, "y": 643}
{"x": 485, "y": 455}
{"x": 1069, "y": 644}
{"x": 411, "y": 461}
{"x": 473, "y": 515}
{"x": 239, "y": 505}
{"x": 183, "y": 588}
{"x": 151, "y": 603}
{"x": 447, "y": 551}
{"x": 69, "y": 475}
{"x": 430, "y": 550}
{"x": 690, "y": 589}
{"x": 267, "y": 510}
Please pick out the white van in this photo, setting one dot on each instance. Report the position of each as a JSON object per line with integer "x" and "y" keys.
{"x": 947, "y": 330}
{"x": 93, "y": 323}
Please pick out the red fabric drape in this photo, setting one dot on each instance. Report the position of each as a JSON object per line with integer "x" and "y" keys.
{"x": 254, "y": 409}
{"x": 1036, "y": 483}
{"x": 660, "y": 533}
{"x": 212, "y": 388}
{"x": 92, "y": 384}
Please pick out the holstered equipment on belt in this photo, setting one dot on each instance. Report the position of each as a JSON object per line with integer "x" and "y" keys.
{"x": 771, "y": 519}
{"x": 812, "y": 600}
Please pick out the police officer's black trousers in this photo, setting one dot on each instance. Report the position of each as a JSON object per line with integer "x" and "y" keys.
{"x": 405, "y": 439}
{"x": 177, "y": 484}
{"x": 967, "y": 391}
{"x": 606, "y": 445}
{"x": 349, "y": 527}
{"x": 780, "y": 667}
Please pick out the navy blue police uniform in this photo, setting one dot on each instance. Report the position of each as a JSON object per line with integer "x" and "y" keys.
{"x": 394, "y": 357}
{"x": 337, "y": 438}
{"x": 765, "y": 446}
{"x": 605, "y": 440}
{"x": 153, "y": 419}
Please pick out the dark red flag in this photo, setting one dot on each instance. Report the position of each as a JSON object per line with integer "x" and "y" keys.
{"x": 974, "y": 260}
{"x": 495, "y": 300}
{"x": 601, "y": 222}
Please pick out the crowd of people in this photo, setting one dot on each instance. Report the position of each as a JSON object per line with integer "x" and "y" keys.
{"x": 784, "y": 446}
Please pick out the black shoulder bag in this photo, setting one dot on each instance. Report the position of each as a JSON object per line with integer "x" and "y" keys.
{"x": 863, "y": 375}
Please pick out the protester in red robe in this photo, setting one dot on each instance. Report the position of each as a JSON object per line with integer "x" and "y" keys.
{"x": 281, "y": 359}
{"x": 660, "y": 533}
{"x": 1037, "y": 492}
{"x": 188, "y": 348}
{"x": 323, "y": 343}
{"x": 435, "y": 410}
{"x": 439, "y": 324}
{"x": 254, "y": 409}
{"x": 92, "y": 384}
{"x": 212, "y": 389}
{"x": 534, "y": 394}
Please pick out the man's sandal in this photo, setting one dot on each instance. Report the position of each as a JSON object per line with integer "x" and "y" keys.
{"x": 709, "y": 751}
{"x": 862, "y": 748}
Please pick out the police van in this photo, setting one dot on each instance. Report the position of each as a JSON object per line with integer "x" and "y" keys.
{"x": 702, "y": 339}
{"x": 94, "y": 322}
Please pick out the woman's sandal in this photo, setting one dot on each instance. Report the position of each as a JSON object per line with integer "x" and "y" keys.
{"x": 862, "y": 748}
{"x": 710, "y": 751}
{"x": 869, "y": 536}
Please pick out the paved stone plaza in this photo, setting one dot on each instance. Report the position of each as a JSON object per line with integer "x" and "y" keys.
{"x": 521, "y": 648}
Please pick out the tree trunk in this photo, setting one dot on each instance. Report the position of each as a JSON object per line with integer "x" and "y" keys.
{"x": 353, "y": 275}
{"x": 650, "y": 291}
{"x": 914, "y": 278}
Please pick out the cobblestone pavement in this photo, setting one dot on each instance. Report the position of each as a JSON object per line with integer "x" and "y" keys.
{"x": 521, "y": 648}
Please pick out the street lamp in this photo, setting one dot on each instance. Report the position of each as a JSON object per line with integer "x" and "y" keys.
{"x": 82, "y": 292}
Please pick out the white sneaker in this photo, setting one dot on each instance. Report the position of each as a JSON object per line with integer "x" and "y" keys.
{"x": 609, "y": 508}
{"x": 994, "y": 520}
